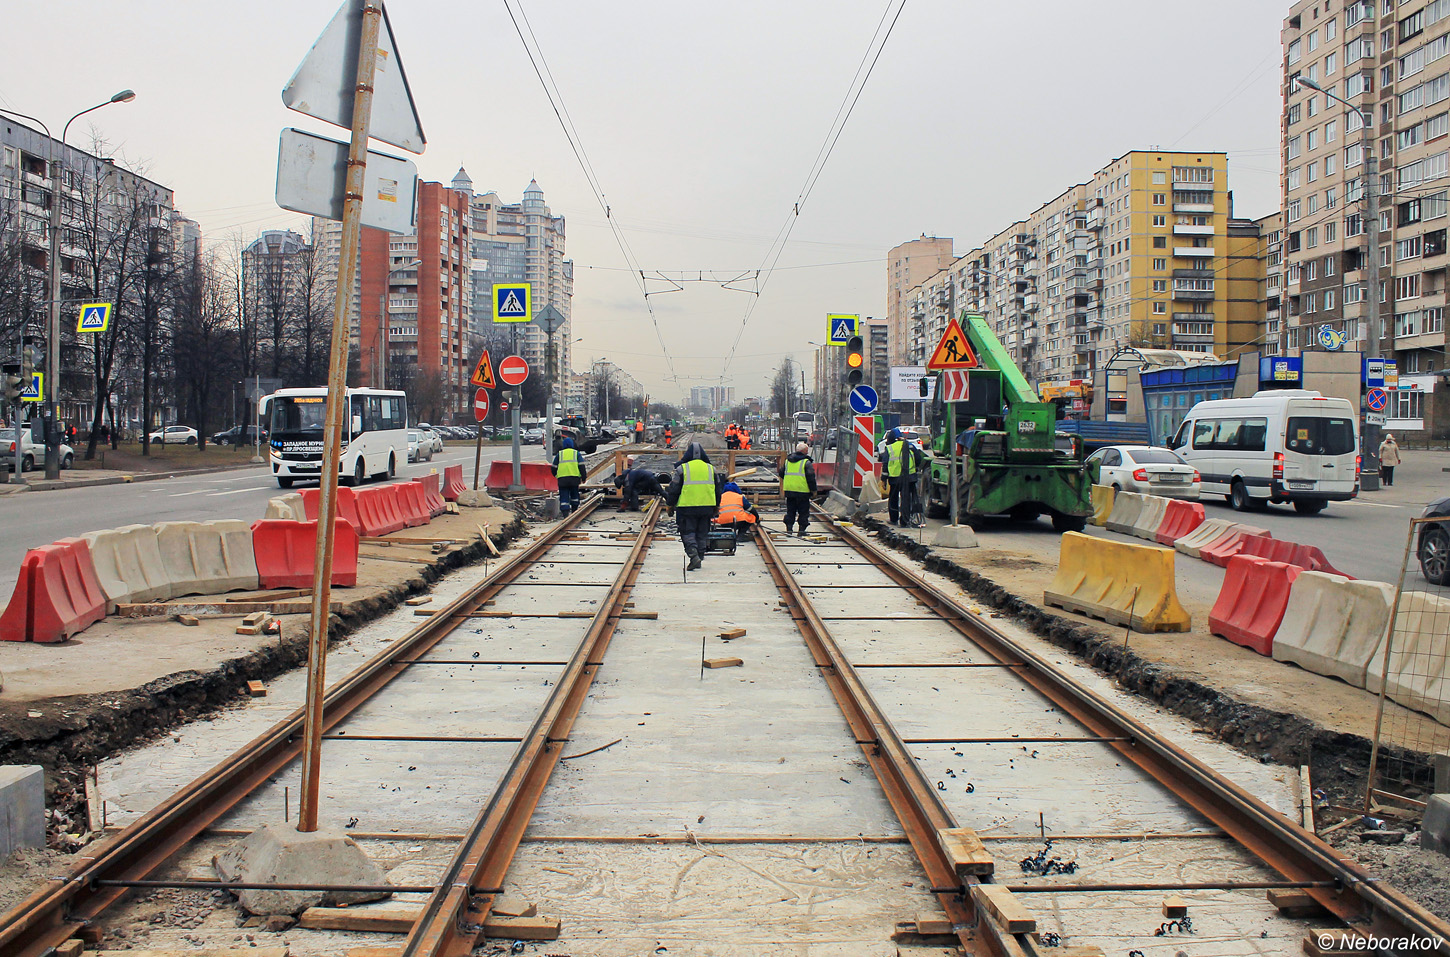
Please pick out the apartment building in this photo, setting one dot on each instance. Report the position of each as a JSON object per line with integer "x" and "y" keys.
{"x": 1392, "y": 62}
{"x": 1138, "y": 255}
{"x": 521, "y": 242}
{"x": 429, "y": 307}
{"x": 907, "y": 266}
{"x": 712, "y": 398}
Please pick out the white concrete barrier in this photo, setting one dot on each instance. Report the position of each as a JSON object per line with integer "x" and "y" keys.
{"x": 1145, "y": 526}
{"x": 1419, "y": 657}
{"x": 128, "y": 565}
{"x": 1206, "y": 534}
{"x": 1127, "y": 506}
{"x": 1334, "y": 626}
{"x": 207, "y": 558}
{"x": 287, "y": 507}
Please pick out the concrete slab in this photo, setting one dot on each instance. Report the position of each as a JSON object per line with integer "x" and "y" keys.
{"x": 286, "y": 856}
{"x": 22, "y": 807}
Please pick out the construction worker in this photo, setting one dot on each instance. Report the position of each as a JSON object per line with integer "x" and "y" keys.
{"x": 732, "y": 436}
{"x": 798, "y": 482}
{"x": 902, "y": 461}
{"x": 570, "y": 473}
{"x": 669, "y": 436}
{"x": 694, "y": 494}
{"x": 745, "y": 439}
{"x": 736, "y": 510}
{"x": 632, "y": 483}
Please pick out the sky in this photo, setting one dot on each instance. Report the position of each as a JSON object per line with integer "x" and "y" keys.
{"x": 701, "y": 123}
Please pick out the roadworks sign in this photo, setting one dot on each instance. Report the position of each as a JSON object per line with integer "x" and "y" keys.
{"x": 483, "y": 373}
{"x": 953, "y": 351}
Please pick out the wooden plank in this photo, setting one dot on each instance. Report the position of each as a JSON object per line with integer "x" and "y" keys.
{"x": 190, "y": 621}
{"x": 1293, "y": 902}
{"x": 1175, "y": 907}
{"x": 282, "y": 951}
{"x": 967, "y": 853}
{"x": 254, "y": 618}
{"x": 406, "y": 559}
{"x": 522, "y": 928}
{"x": 483, "y": 532}
{"x": 419, "y": 600}
{"x": 723, "y": 662}
{"x": 273, "y": 595}
{"x": 732, "y": 633}
{"x": 256, "y": 689}
{"x": 1005, "y": 908}
{"x": 215, "y": 609}
{"x": 392, "y": 919}
{"x": 1341, "y": 940}
{"x": 70, "y": 948}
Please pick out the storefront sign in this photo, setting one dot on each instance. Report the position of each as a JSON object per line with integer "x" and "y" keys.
{"x": 1281, "y": 370}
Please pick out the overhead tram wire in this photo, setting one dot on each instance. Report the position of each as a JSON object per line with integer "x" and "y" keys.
{"x": 576, "y": 143}
{"x": 828, "y": 146}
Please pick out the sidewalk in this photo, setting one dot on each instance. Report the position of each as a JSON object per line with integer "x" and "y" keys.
{"x": 85, "y": 478}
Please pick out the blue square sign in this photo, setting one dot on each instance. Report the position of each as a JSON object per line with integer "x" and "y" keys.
{"x": 511, "y": 302}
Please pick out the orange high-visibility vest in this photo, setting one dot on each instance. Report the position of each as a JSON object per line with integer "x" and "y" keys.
{"x": 732, "y": 509}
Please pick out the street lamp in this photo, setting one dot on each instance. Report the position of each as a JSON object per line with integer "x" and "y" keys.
{"x": 1369, "y": 203}
{"x": 380, "y": 356}
{"x": 56, "y": 169}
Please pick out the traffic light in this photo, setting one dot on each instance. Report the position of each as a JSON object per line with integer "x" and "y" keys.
{"x": 11, "y": 381}
{"x": 923, "y": 386}
{"x": 31, "y": 356}
{"x": 855, "y": 360}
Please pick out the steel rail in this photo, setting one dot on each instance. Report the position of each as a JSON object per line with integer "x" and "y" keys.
{"x": 1342, "y": 886}
{"x": 52, "y": 915}
{"x": 912, "y": 798}
{"x": 451, "y": 923}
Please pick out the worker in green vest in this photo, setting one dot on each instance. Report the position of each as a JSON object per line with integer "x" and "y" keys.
{"x": 694, "y": 494}
{"x": 902, "y": 462}
{"x": 569, "y": 474}
{"x": 798, "y": 482}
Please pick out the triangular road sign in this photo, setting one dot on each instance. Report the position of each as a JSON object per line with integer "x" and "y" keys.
{"x": 324, "y": 84}
{"x": 483, "y": 373}
{"x": 954, "y": 351}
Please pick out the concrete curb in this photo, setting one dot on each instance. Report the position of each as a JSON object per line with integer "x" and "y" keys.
{"x": 127, "y": 479}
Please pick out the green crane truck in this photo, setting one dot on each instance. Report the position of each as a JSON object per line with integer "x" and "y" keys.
{"x": 1016, "y": 464}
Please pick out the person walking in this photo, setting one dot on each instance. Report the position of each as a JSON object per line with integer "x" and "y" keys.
{"x": 632, "y": 483}
{"x": 1389, "y": 458}
{"x": 569, "y": 475}
{"x": 694, "y": 494}
{"x": 798, "y": 482}
{"x": 902, "y": 461}
{"x": 669, "y": 436}
{"x": 638, "y": 430}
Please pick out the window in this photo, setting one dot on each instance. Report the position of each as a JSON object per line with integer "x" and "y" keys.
{"x": 1331, "y": 228}
{"x": 1159, "y": 177}
{"x": 1433, "y": 206}
{"x": 1434, "y": 319}
{"x": 1160, "y": 285}
{"x": 1353, "y": 294}
{"x": 1245, "y": 434}
{"x": 1319, "y": 435}
{"x": 1437, "y": 125}
{"x": 1329, "y": 265}
{"x": 1311, "y": 270}
{"x": 1292, "y": 211}
{"x": 1328, "y": 299}
{"x": 1193, "y": 174}
{"x": 1329, "y": 29}
{"x": 1407, "y": 249}
{"x": 1331, "y": 163}
{"x": 1330, "y": 63}
{"x": 1160, "y": 264}
{"x": 1310, "y": 303}
{"x": 1409, "y": 404}
{"x": 1295, "y": 112}
{"x": 1359, "y": 49}
{"x": 1406, "y": 323}
{"x": 1331, "y": 130}
{"x": 1293, "y": 148}
{"x": 1411, "y": 26}
{"x": 1312, "y": 170}
{"x": 1407, "y": 287}
{"x": 1296, "y": 51}
{"x": 1409, "y": 137}
{"x": 1358, "y": 12}
{"x": 1357, "y": 84}
{"x": 1293, "y": 178}
{"x": 1311, "y": 238}
{"x": 1353, "y": 154}
{"x": 1312, "y": 204}
{"x": 1160, "y": 242}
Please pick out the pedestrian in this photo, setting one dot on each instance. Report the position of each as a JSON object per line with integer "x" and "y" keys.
{"x": 736, "y": 510}
{"x": 632, "y": 483}
{"x": 694, "y": 494}
{"x": 902, "y": 461}
{"x": 669, "y": 436}
{"x": 638, "y": 431}
{"x": 1389, "y": 458}
{"x": 798, "y": 482}
{"x": 569, "y": 474}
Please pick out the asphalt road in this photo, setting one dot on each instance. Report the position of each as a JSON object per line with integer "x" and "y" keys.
{"x": 36, "y": 518}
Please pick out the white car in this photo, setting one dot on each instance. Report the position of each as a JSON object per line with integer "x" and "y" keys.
{"x": 420, "y": 447}
{"x": 175, "y": 435}
{"x": 435, "y": 441}
{"x": 30, "y": 453}
{"x": 1147, "y": 470}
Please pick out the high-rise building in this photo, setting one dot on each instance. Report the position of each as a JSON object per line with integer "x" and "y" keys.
{"x": 1390, "y": 61}
{"x": 1136, "y": 256}
{"x": 907, "y": 266}
{"x": 878, "y": 357}
{"x": 430, "y": 307}
{"x": 521, "y": 242}
{"x": 712, "y": 398}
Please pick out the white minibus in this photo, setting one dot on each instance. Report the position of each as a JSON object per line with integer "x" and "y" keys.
{"x": 375, "y": 441}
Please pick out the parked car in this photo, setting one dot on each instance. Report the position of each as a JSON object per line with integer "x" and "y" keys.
{"x": 1281, "y": 445}
{"x": 1433, "y": 548}
{"x": 435, "y": 441}
{"x": 31, "y": 454}
{"x": 175, "y": 435}
{"x": 532, "y": 436}
{"x": 1146, "y": 470}
{"x": 240, "y": 435}
{"x": 420, "y": 446}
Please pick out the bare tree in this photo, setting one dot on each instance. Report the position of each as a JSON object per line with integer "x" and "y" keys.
{"x": 311, "y": 334}
{"x": 205, "y": 339}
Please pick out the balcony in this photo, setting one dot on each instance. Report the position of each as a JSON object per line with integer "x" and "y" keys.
{"x": 1182, "y": 339}
{"x": 1180, "y": 229}
{"x": 1193, "y": 274}
{"x": 1193, "y": 207}
{"x": 1193, "y": 295}
{"x": 1191, "y": 251}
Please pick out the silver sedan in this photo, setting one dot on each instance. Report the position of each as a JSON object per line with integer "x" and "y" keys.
{"x": 1145, "y": 469}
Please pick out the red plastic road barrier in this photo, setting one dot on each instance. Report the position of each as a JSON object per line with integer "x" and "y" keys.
{"x": 1251, "y": 603}
{"x": 431, "y": 494}
{"x": 285, "y": 553}
{"x": 1307, "y": 557}
{"x": 1220, "y": 551}
{"x": 537, "y": 477}
{"x": 392, "y": 505}
{"x": 453, "y": 482}
{"x": 56, "y": 596}
{"x": 1180, "y": 519}
{"x": 413, "y": 503}
{"x": 376, "y": 514}
{"x": 346, "y": 504}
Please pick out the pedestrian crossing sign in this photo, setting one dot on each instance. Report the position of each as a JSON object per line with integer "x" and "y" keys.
{"x": 511, "y": 302}
{"x": 35, "y": 389}
{"x": 840, "y": 329}
{"x": 953, "y": 351}
{"x": 95, "y": 317}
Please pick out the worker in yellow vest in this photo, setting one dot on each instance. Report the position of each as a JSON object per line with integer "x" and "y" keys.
{"x": 902, "y": 463}
{"x": 798, "y": 482}
{"x": 694, "y": 494}
{"x": 568, "y": 471}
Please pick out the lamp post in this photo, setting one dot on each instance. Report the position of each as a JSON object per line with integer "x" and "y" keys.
{"x": 380, "y": 357}
{"x": 56, "y": 168}
{"x": 1369, "y": 432}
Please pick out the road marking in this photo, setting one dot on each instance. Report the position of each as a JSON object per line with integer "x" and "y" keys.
{"x": 238, "y": 490}
{"x": 184, "y": 494}
{"x": 1375, "y": 504}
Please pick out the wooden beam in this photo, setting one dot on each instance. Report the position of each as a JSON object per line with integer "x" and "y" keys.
{"x": 965, "y": 850}
{"x": 1005, "y": 908}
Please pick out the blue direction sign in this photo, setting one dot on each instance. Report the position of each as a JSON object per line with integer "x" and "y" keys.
{"x": 1377, "y": 399}
{"x": 840, "y": 329}
{"x": 863, "y": 400}
{"x": 95, "y": 317}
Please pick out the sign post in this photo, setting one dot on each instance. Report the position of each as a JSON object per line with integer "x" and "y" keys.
{"x": 952, "y": 357}
{"x": 335, "y": 82}
{"x": 551, "y": 319}
{"x": 480, "y": 412}
{"x": 513, "y": 370}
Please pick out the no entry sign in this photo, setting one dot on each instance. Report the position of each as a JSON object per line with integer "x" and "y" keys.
{"x": 480, "y": 405}
{"x": 513, "y": 370}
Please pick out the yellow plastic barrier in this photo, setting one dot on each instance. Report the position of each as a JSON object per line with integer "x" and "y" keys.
{"x": 1102, "y": 504}
{"x": 1118, "y": 582}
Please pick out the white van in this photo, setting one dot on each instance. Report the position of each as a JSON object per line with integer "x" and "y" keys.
{"x": 376, "y": 442}
{"x": 1282, "y": 445}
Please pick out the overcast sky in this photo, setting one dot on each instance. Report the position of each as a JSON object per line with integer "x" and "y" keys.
{"x": 701, "y": 122}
